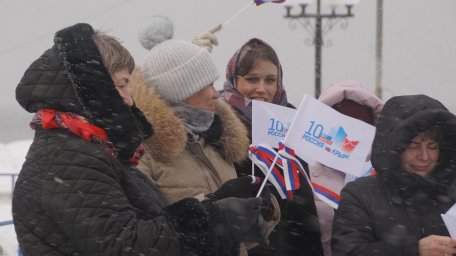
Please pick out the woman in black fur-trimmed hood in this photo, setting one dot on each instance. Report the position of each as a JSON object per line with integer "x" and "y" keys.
{"x": 79, "y": 192}
{"x": 397, "y": 211}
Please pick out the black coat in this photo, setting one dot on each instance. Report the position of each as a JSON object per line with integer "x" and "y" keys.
{"x": 298, "y": 232}
{"x": 388, "y": 213}
{"x": 74, "y": 198}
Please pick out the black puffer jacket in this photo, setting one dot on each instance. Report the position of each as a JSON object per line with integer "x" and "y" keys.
{"x": 72, "y": 197}
{"x": 388, "y": 213}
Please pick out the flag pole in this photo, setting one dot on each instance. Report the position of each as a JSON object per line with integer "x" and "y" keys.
{"x": 253, "y": 168}
{"x": 237, "y": 14}
{"x": 266, "y": 177}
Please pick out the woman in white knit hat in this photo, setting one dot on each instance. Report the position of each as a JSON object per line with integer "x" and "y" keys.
{"x": 198, "y": 137}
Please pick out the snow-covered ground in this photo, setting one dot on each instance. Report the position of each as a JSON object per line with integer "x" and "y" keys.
{"x": 12, "y": 155}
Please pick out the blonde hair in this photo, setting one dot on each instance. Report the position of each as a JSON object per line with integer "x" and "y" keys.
{"x": 115, "y": 57}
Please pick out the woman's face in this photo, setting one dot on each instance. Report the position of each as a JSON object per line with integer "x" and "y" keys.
{"x": 121, "y": 79}
{"x": 204, "y": 99}
{"x": 260, "y": 83}
{"x": 421, "y": 156}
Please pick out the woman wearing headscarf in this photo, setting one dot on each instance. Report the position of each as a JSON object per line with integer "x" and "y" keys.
{"x": 254, "y": 73}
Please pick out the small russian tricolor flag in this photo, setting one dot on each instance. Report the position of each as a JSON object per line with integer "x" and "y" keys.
{"x": 326, "y": 195}
{"x": 263, "y": 156}
{"x": 259, "y": 2}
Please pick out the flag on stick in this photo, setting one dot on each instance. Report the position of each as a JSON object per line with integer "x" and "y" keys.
{"x": 291, "y": 167}
{"x": 270, "y": 122}
{"x": 326, "y": 195}
{"x": 260, "y": 2}
{"x": 264, "y": 156}
{"x": 257, "y": 2}
{"x": 318, "y": 132}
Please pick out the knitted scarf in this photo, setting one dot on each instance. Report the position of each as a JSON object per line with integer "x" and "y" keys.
{"x": 240, "y": 103}
{"x": 76, "y": 124}
{"x": 196, "y": 120}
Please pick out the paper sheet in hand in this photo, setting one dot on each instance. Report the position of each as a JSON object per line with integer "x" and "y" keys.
{"x": 449, "y": 218}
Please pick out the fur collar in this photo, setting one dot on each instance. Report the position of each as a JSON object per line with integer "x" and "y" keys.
{"x": 170, "y": 136}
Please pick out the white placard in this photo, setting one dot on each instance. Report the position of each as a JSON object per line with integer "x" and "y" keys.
{"x": 449, "y": 218}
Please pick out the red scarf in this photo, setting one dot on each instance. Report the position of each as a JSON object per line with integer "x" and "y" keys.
{"x": 76, "y": 124}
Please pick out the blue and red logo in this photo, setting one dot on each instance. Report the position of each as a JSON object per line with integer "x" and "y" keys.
{"x": 336, "y": 141}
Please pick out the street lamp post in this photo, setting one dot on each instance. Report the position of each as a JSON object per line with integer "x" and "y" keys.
{"x": 319, "y": 29}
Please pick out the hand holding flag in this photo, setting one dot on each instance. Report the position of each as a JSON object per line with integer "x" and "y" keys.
{"x": 266, "y": 158}
{"x": 208, "y": 39}
{"x": 242, "y": 187}
{"x": 321, "y": 134}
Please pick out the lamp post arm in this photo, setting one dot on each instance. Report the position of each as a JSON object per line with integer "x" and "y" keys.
{"x": 318, "y": 33}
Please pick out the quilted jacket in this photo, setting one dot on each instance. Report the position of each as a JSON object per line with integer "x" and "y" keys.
{"x": 387, "y": 214}
{"x": 72, "y": 197}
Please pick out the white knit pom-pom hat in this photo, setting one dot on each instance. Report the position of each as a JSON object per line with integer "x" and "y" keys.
{"x": 177, "y": 69}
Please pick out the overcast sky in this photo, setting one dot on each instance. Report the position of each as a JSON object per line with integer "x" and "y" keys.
{"x": 419, "y": 54}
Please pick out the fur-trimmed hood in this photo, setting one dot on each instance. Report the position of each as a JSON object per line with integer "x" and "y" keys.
{"x": 170, "y": 135}
{"x": 351, "y": 90}
{"x": 401, "y": 119}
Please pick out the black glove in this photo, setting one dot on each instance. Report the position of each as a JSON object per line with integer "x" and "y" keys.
{"x": 236, "y": 217}
{"x": 242, "y": 187}
{"x": 246, "y": 187}
{"x": 258, "y": 233}
{"x": 267, "y": 209}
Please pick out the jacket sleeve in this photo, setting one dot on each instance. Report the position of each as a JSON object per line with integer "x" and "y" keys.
{"x": 300, "y": 215}
{"x": 354, "y": 232}
{"x": 93, "y": 210}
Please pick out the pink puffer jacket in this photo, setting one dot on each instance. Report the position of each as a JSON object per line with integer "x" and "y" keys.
{"x": 332, "y": 178}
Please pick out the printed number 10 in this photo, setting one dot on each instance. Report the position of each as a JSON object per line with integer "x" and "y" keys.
{"x": 278, "y": 125}
{"x": 315, "y": 130}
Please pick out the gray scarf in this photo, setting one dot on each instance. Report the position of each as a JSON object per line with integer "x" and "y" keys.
{"x": 197, "y": 120}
